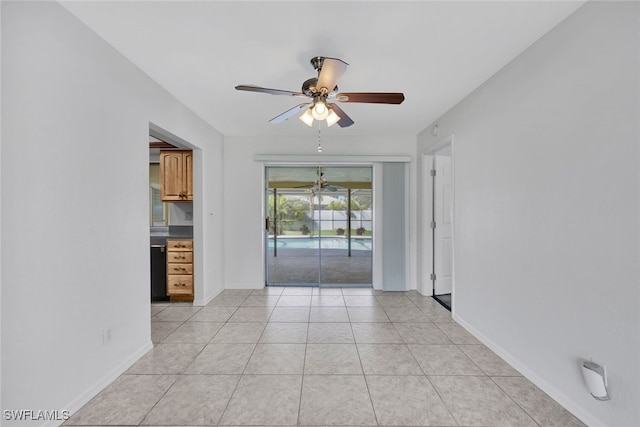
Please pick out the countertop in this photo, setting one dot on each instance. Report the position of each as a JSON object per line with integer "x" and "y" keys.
{"x": 159, "y": 235}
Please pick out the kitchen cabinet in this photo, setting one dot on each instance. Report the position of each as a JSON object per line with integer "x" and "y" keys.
{"x": 180, "y": 270}
{"x": 176, "y": 176}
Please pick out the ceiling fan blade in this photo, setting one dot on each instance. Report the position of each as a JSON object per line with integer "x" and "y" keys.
{"x": 372, "y": 97}
{"x": 289, "y": 113}
{"x": 251, "y": 88}
{"x": 331, "y": 71}
{"x": 345, "y": 121}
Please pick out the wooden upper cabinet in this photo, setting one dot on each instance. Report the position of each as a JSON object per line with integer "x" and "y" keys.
{"x": 187, "y": 157}
{"x": 176, "y": 176}
{"x": 171, "y": 176}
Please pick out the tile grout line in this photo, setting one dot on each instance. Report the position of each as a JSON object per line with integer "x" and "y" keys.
{"x": 364, "y": 376}
{"x": 158, "y": 401}
{"x": 513, "y": 400}
{"x": 304, "y": 365}
{"x": 233, "y": 392}
{"x": 182, "y": 373}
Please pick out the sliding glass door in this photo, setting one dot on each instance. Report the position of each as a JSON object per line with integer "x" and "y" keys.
{"x": 292, "y": 253}
{"x": 346, "y": 256}
{"x": 318, "y": 226}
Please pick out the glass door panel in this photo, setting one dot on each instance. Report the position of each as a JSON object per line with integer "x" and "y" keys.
{"x": 319, "y": 230}
{"x": 292, "y": 257}
{"x": 346, "y": 255}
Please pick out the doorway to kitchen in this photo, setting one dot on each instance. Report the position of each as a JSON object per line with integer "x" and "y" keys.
{"x": 319, "y": 226}
{"x": 171, "y": 218}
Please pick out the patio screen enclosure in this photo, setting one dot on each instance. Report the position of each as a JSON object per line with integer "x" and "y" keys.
{"x": 318, "y": 225}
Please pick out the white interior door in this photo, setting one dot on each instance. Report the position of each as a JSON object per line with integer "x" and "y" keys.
{"x": 443, "y": 248}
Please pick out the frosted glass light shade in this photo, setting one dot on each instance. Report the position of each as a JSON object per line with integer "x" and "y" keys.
{"x": 332, "y": 118}
{"x": 320, "y": 111}
{"x": 307, "y": 117}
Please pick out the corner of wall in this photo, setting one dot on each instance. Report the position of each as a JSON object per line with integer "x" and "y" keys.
{"x": 206, "y": 299}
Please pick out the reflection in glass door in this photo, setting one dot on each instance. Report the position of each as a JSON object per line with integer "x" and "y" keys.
{"x": 291, "y": 259}
{"x": 345, "y": 258}
{"x": 319, "y": 226}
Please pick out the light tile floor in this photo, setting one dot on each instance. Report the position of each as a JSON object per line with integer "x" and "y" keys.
{"x": 309, "y": 356}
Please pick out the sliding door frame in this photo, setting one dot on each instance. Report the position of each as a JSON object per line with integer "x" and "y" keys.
{"x": 374, "y": 161}
{"x": 266, "y": 220}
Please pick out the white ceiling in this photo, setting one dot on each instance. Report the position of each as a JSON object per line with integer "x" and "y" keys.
{"x": 435, "y": 52}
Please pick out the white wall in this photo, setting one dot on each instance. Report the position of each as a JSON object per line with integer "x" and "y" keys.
{"x": 75, "y": 236}
{"x": 181, "y": 213}
{"x": 547, "y": 210}
{"x": 244, "y": 193}
{"x": 1, "y": 275}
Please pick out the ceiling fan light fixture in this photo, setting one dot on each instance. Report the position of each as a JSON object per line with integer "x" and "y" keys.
{"x": 307, "y": 117}
{"x": 332, "y": 118}
{"x": 320, "y": 110}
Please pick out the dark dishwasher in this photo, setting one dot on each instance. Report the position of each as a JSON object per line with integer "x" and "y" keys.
{"x": 159, "y": 273}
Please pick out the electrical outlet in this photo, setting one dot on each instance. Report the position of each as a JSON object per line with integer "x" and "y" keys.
{"x": 106, "y": 336}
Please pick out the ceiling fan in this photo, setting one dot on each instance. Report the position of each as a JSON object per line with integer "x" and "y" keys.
{"x": 319, "y": 184}
{"x": 322, "y": 89}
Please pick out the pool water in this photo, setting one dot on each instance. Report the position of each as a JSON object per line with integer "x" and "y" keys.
{"x": 357, "y": 244}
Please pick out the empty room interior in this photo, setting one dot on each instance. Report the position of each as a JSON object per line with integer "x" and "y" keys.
{"x": 347, "y": 213}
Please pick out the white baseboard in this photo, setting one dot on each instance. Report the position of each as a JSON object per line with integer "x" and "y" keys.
{"x": 424, "y": 294}
{"x": 244, "y": 286}
{"x": 540, "y": 382}
{"x": 201, "y": 302}
{"x": 103, "y": 382}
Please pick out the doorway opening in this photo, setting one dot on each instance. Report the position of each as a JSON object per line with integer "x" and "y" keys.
{"x": 439, "y": 216}
{"x": 319, "y": 226}
{"x": 169, "y": 220}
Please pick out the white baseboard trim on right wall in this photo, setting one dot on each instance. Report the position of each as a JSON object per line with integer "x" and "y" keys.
{"x": 541, "y": 383}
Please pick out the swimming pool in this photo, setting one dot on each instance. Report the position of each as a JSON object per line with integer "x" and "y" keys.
{"x": 329, "y": 242}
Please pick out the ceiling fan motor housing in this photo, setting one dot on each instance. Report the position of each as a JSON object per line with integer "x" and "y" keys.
{"x": 309, "y": 88}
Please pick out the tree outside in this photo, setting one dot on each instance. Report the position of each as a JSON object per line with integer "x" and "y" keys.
{"x": 292, "y": 215}
{"x": 289, "y": 213}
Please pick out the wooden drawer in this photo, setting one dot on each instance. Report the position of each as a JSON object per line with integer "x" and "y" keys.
{"x": 179, "y": 268}
{"x": 179, "y": 257}
{"x": 178, "y": 284}
{"x": 180, "y": 245}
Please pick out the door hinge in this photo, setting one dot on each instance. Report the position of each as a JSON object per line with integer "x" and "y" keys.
{"x": 432, "y": 224}
{"x": 433, "y": 276}
{"x": 432, "y": 172}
